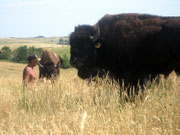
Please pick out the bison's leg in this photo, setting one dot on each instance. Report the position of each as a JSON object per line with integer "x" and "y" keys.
{"x": 129, "y": 84}
{"x": 155, "y": 78}
{"x": 148, "y": 79}
{"x": 40, "y": 73}
{"x": 177, "y": 70}
{"x": 135, "y": 82}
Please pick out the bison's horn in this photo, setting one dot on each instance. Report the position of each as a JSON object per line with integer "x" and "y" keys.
{"x": 40, "y": 65}
{"x": 95, "y": 37}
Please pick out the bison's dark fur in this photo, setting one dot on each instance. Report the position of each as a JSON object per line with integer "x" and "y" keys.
{"x": 50, "y": 64}
{"x": 134, "y": 47}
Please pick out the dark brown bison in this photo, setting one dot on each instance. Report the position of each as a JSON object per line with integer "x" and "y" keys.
{"x": 131, "y": 47}
{"x": 50, "y": 64}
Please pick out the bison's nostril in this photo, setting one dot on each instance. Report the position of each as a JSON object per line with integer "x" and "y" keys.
{"x": 73, "y": 62}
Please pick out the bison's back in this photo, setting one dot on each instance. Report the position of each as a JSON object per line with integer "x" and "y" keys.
{"x": 140, "y": 39}
{"x": 49, "y": 56}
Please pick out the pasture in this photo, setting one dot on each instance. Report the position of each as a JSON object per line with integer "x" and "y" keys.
{"x": 74, "y": 106}
{"x": 36, "y": 42}
{"x": 78, "y": 107}
{"x": 46, "y": 43}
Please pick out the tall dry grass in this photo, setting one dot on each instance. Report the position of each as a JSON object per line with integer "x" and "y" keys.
{"x": 74, "y": 106}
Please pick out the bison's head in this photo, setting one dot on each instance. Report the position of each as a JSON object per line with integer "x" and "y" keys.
{"x": 84, "y": 42}
{"x": 49, "y": 69}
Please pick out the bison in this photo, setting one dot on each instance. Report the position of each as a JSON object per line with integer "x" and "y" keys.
{"x": 50, "y": 64}
{"x": 131, "y": 47}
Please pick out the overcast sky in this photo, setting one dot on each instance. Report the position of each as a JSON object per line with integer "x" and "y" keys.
{"x": 30, "y": 18}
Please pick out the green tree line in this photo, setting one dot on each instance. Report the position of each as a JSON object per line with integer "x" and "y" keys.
{"x": 21, "y": 53}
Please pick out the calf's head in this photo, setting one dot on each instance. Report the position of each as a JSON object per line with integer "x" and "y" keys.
{"x": 50, "y": 69}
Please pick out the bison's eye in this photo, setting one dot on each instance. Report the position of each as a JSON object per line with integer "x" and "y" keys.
{"x": 86, "y": 47}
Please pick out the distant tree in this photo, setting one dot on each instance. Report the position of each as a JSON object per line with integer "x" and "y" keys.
{"x": 5, "y": 53}
{"x": 20, "y": 54}
{"x": 31, "y": 50}
{"x": 66, "y": 42}
{"x": 63, "y": 41}
{"x": 38, "y": 51}
{"x": 40, "y": 37}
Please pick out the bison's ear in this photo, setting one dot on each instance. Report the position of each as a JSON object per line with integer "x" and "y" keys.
{"x": 98, "y": 45}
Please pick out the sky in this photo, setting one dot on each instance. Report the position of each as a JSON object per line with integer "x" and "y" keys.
{"x": 31, "y": 18}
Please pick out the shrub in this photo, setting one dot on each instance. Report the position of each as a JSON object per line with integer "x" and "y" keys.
{"x": 66, "y": 63}
{"x": 33, "y": 50}
{"x": 64, "y": 52}
{"x": 20, "y": 54}
{"x": 5, "y": 53}
{"x": 63, "y": 41}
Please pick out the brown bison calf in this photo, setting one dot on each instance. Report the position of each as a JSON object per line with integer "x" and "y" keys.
{"x": 50, "y": 64}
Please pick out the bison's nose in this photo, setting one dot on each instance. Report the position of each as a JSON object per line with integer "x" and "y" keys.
{"x": 75, "y": 62}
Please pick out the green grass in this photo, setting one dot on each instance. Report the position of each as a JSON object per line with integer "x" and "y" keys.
{"x": 62, "y": 51}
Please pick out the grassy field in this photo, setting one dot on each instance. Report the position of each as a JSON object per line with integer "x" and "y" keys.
{"x": 48, "y": 42}
{"x": 74, "y": 106}
{"x": 78, "y": 107}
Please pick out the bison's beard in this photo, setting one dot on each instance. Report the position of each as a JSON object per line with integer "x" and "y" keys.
{"x": 85, "y": 73}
